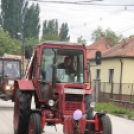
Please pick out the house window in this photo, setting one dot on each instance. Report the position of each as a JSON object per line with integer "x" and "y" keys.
{"x": 111, "y": 74}
{"x": 97, "y": 73}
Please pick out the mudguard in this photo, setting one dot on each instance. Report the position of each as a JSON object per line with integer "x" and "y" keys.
{"x": 100, "y": 113}
{"x": 23, "y": 85}
{"x": 96, "y": 118}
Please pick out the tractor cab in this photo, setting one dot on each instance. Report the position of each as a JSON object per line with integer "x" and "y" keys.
{"x": 58, "y": 67}
{"x": 48, "y": 66}
{"x": 69, "y": 65}
{"x": 9, "y": 71}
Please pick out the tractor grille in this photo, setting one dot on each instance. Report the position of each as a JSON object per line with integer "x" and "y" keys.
{"x": 70, "y": 107}
{"x": 74, "y": 97}
{"x": 73, "y": 102}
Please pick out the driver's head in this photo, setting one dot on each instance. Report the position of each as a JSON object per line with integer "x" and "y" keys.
{"x": 67, "y": 61}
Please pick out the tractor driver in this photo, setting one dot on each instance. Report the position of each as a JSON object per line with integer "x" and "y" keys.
{"x": 69, "y": 69}
{"x": 14, "y": 71}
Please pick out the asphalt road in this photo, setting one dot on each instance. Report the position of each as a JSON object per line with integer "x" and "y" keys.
{"x": 120, "y": 125}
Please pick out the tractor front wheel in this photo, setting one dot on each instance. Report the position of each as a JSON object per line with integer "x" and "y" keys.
{"x": 34, "y": 124}
{"x": 89, "y": 112}
{"x": 22, "y": 109}
{"x": 105, "y": 125}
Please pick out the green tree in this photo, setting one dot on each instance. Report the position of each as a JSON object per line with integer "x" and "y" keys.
{"x": 51, "y": 37}
{"x": 107, "y": 34}
{"x": 16, "y": 17}
{"x": 81, "y": 40}
{"x": 32, "y": 41}
{"x": 131, "y": 36}
{"x": 31, "y": 22}
{"x": 7, "y": 44}
{"x": 50, "y": 30}
{"x": 64, "y": 32}
{"x": 12, "y": 13}
{"x": 97, "y": 34}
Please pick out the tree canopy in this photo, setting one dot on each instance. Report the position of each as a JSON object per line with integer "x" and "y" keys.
{"x": 64, "y": 32}
{"x": 81, "y": 40}
{"x": 16, "y": 17}
{"x": 31, "y": 22}
{"x": 107, "y": 34}
{"x": 8, "y": 44}
{"x": 51, "y": 31}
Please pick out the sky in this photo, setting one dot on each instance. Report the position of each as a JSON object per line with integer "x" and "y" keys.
{"x": 83, "y": 19}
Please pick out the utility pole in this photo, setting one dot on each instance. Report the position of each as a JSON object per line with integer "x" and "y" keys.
{"x": 23, "y": 54}
{"x": 21, "y": 34}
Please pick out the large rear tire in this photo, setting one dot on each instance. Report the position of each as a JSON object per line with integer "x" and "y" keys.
{"x": 89, "y": 113}
{"x": 105, "y": 125}
{"x": 22, "y": 109}
{"x": 34, "y": 124}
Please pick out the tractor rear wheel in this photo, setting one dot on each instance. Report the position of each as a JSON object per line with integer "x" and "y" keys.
{"x": 34, "y": 124}
{"x": 105, "y": 125}
{"x": 22, "y": 109}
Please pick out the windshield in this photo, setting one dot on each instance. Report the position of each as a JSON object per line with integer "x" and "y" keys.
{"x": 69, "y": 65}
{"x": 11, "y": 68}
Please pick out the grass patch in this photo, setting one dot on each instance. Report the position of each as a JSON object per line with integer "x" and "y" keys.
{"x": 112, "y": 109}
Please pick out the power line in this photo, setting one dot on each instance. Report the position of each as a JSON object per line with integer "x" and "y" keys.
{"x": 93, "y": 21}
{"x": 73, "y": 8}
{"x": 120, "y": 31}
{"x": 84, "y": 3}
{"x": 125, "y": 29}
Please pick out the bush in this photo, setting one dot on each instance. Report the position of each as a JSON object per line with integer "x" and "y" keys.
{"x": 112, "y": 109}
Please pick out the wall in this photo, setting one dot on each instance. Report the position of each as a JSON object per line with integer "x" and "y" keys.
{"x": 104, "y": 69}
{"x": 128, "y": 70}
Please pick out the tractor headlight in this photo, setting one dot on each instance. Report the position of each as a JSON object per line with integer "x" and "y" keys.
{"x": 8, "y": 87}
{"x": 51, "y": 103}
{"x": 92, "y": 104}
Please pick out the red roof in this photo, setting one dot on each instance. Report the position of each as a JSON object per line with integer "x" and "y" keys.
{"x": 125, "y": 49}
{"x": 101, "y": 45}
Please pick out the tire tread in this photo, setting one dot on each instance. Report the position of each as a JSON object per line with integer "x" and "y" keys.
{"x": 24, "y": 112}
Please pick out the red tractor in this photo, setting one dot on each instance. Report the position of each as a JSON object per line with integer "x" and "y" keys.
{"x": 60, "y": 98}
{"x": 10, "y": 70}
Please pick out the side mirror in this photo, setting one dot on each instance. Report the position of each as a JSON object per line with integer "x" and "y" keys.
{"x": 28, "y": 52}
{"x": 98, "y": 57}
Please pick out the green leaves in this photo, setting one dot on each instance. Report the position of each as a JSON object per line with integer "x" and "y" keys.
{"x": 50, "y": 31}
{"x": 16, "y": 17}
{"x": 31, "y": 22}
{"x": 107, "y": 34}
{"x": 8, "y": 44}
{"x": 64, "y": 32}
{"x": 81, "y": 40}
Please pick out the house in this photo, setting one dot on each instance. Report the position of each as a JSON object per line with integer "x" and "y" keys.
{"x": 101, "y": 45}
{"x": 116, "y": 71}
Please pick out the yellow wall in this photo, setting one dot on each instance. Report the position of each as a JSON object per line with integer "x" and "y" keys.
{"x": 128, "y": 70}
{"x": 106, "y": 64}
{"x": 114, "y": 63}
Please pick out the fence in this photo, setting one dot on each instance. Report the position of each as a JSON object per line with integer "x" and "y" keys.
{"x": 119, "y": 94}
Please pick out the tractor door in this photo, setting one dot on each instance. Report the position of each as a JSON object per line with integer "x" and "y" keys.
{"x": 46, "y": 73}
